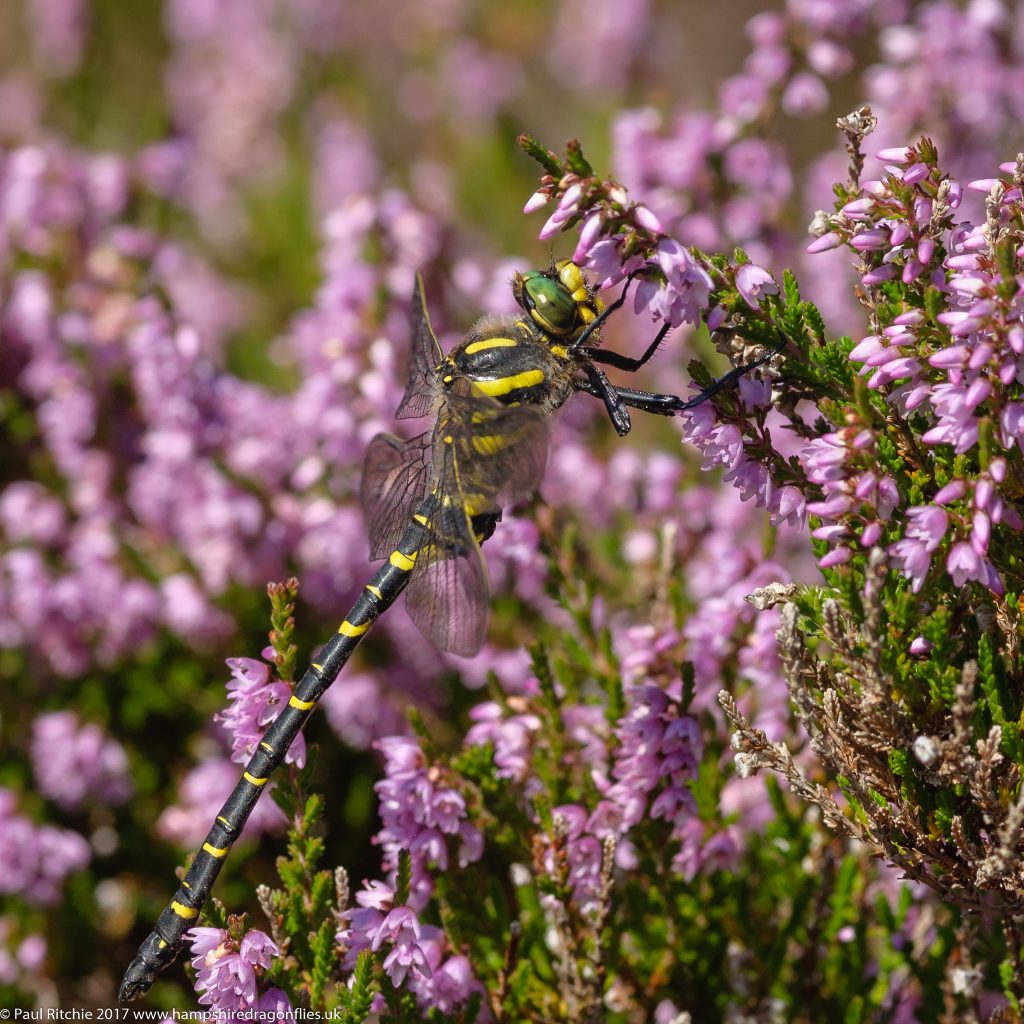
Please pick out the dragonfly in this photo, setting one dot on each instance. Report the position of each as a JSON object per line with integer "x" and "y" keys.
{"x": 431, "y": 501}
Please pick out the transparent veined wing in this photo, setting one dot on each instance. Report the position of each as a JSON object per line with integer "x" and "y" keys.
{"x": 448, "y": 595}
{"x": 421, "y": 385}
{"x": 486, "y": 455}
{"x": 397, "y": 476}
{"x": 500, "y": 450}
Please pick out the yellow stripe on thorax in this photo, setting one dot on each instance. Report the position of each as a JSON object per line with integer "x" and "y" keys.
{"x": 486, "y": 343}
{"x": 491, "y": 444}
{"x": 503, "y": 385}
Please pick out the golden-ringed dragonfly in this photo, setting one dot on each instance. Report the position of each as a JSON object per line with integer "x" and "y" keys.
{"x": 430, "y": 502}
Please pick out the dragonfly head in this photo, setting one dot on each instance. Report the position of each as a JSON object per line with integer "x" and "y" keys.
{"x": 558, "y": 300}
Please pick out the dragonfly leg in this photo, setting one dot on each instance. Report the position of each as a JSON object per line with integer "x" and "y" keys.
{"x": 598, "y": 385}
{"x": 596, "y": 323}
{"x": 734, "y": 374}
{"x": 627, "y": 363}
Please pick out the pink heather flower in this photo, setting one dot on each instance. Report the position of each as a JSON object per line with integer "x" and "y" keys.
{"x": 375, "y": 923}
{"x": 646, "y": 219}
{"x": 567, "y": 206}
{"x": 536, "y": 201}
{"x": 837, "y": 556}
{"x": 418, "y": 812}
{"x": 75, "y": 762}
{"x": 830, "y": 240}
{"x": 953, "y": 491}
{"x": 872, "y": 238}
{"x": 255, "y": 702}
{"x": 512, "y": 738}
{"x": 965, "y": 563}
{"x": 684, "y": 295}
{"x": 606, "y": 263}
{"x": 926, "y": 526}
{"x": 752, "y": 282}
{"x": 805, "y": 94}
{"x": 274, "y": 1005}
{"x": 659, "y": 749}
{"x": 36, "y": 858}
{"x": 449, "y": 984}
{"x": 589, "y": 234}
{"x": 226, "y": 974}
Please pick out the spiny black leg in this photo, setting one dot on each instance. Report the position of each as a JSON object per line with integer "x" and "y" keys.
{"x": 715, "y": 386}
{"x": 661, "y": 404}
{"x": 648, "y": 401}
{"x": 627, "y": 363}
{"x": 645, "y": 401}
{"x": 599, "y": 386}
{"x": 602, "y": 316}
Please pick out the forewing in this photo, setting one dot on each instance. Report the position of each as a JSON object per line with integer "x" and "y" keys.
{"x": 396, "y": 478}
{"x": 486, "y": 455}
{"x": 448, "y": 594}
{"x": 448, "y": 598}
{"x": 501, "y": 450}
{"x": 421, "y": 385}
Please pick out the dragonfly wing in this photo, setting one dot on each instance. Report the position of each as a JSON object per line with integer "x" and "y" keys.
{"x": 448, "y": 594}
{"x": 396, "y": 478}
{"x": 501, "y": 450}
{"x": 486, "y": 455}
{"x": 421, "y": 386}
{"x": 448, "y": 598}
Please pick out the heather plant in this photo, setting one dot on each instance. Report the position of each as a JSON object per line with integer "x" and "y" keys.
{"x": 601, "y": 790}
{"x": 743, "y": 743}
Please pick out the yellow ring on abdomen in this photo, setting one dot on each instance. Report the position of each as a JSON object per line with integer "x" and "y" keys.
{"x": 403, "y": 562}
{"x": 348, "y": 629}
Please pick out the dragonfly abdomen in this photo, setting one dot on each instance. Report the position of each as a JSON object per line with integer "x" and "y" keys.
{"x": 164, "y": 943}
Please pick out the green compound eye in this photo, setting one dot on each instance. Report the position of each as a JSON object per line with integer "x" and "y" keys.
{"x": 549, "y": 303}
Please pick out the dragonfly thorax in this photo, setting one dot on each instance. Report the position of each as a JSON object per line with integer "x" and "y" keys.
{"x": 508, "y": 359}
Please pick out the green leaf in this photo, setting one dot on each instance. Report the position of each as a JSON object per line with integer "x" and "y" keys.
{"x": 813, "y": 319}
{"x": 404, "y": 883}
{"x": 531, "y": 147}
{"x": 791, "y": 289}
{"x": 576, "y": 161}
{"x": 360, "y": 991}
{"x": 322, "y": 946}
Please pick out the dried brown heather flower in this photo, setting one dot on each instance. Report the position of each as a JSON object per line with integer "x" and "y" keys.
{"x": 924, "y": 790}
